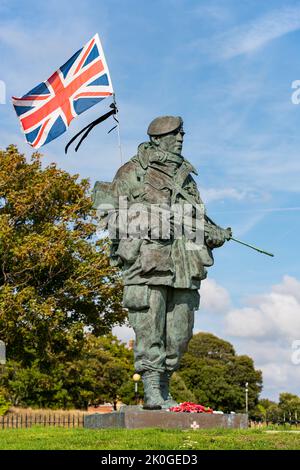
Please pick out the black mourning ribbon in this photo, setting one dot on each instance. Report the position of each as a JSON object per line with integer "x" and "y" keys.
{"x": 91, "y": 125}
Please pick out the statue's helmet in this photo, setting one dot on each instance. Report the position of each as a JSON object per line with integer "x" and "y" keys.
{"x": 164, "y": 125}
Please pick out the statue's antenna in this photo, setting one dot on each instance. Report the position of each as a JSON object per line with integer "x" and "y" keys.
{"x": 114, "y": 106}
{"x": 118, "y": 130}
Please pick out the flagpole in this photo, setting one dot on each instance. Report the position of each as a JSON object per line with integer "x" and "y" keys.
{"x": 119, "y": 143}
{"x": 118, "y": 133}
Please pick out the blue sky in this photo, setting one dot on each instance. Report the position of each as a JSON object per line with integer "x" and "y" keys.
{"x": 227, "y": 68}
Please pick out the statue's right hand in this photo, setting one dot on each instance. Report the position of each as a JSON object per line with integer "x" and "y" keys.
{"x": 228, "y": 231}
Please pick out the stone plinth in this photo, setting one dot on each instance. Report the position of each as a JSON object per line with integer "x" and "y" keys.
{"x": 134, "y": 417}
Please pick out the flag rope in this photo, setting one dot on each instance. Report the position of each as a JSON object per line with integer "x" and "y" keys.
{"x": 90, "y": 126}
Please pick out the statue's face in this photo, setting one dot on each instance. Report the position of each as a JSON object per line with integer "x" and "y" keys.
{"x": 172, "y": 142}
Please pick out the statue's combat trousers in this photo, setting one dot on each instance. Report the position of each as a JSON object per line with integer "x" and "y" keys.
{"x": 163, "y": 319}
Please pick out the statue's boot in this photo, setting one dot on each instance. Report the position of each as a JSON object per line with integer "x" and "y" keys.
{"x": 152, "y": 396}
{"x": 165, "y": 391}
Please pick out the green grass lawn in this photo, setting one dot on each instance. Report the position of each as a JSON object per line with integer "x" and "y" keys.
{"x": 50, "y": 438}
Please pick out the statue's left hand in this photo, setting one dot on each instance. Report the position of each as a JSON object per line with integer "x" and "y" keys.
{"x": 217, "y": 236}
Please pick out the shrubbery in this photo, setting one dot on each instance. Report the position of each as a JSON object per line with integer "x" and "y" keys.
{"x": 59, "y": 296}
{"x": 4, "y": 405}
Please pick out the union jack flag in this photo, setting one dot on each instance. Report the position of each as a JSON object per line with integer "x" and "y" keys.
{"x": 45, "y": 112}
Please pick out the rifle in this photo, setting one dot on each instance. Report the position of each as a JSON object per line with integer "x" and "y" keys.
{"x": 230, "y": 237}
{"x": 102, "y": 193}
{"x": 251, "y": 246}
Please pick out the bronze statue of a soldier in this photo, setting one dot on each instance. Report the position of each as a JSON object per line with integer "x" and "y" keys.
{"x": 162, "y": 275}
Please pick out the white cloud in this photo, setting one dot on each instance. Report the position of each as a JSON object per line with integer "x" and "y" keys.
{"x": 275, "y": 314}
{"x": 214, "y": 298}
{"x": 265, "y": 330}
{"x": 273, "y": 358}
{"x": 124, "y": 333}
{"x": 255, "y": 34}
{"x": 267, "y": 352}
{"x": 213, "y": 12}
{"x": 275, "y": 373}
{"x": 289, "y": 286}
{"x": 215, "y": 194}
{"x": 280, "y": 377}
{"x": 246, "y": 322}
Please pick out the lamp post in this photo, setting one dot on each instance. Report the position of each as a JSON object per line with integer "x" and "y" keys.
{"x": 136, "y": 378}
{"x": 246, "y": 393}
{"x": 2, "y": 353}
{"x": 2, "y": 356}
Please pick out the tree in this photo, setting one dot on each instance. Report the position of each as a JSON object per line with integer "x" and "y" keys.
{"x": 98, "y": 374}
{"x": 56, "y": 283}
{"x": 217, "y": 376}
{"x": 287, "y": 410}
{"x": 289, "y": 406}
{"x": 179, "y": 390}
{"x": 208, "y": 346}
{"x": 286, "y": 398}
{"x": 264, "y": 410}
{"x": 4, "y": 405}
{"x": 266, "y": 403}
{"x": 273, "y": 414}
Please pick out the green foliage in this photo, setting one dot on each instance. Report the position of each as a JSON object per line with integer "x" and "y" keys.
{"x": 286, "y": 399}
{"x": 57, "y": 438}
{"x": 265, "y": 403}
{"x": 179, "y": 390}
{"x": 217, "y": 376}
{"x": 286, "y": 411}
{"x": 289, "y": 404}
{"x": 56, "y": 284}
{"x": 98, "y": 373}
{"x": 4, "y": 405}
{"x": 273, "y": 414}
{"x": 208, "y": 346}
{"x": 264, "y": 408}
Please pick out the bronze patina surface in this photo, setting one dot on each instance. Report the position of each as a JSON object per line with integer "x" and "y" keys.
{"x": 162, "y": 275}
